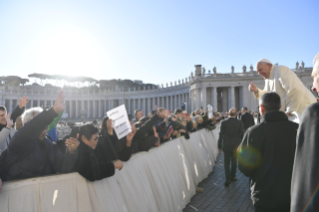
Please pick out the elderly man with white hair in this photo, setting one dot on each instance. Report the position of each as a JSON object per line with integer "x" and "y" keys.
{"x": 31, "y": 154}
{"x": 295, "y": 97}
{"x": 305, "y": 176}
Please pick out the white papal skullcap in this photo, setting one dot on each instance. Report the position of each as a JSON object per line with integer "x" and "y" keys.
{"x": 263, "y": 61}
{"x": 316, "y": 59}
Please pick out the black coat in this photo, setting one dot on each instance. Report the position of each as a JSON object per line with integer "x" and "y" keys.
{"x": 230, "y": 134}
{"x": 266, "y": 156}
{"x": 94, "y": 164}
{"x": 305, "y": 177}
{"x": 43, "y": 158}
{"x": 139, "y": 139}
{"x": 248, "y": 120}
{"x": 116, "y": 149}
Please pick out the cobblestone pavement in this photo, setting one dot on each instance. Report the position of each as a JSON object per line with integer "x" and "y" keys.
{"x": 217, "y": 197}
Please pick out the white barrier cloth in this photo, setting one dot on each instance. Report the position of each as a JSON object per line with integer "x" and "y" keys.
{"x": 120, "y": 120}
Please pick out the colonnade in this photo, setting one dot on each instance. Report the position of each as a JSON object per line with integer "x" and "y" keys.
{"x": 97, "y": 106}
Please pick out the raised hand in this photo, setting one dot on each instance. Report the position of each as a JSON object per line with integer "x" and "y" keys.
{"x": 109, "y": 126}
{"x": 130, "y": 137}
{"x": 72, "y": 143}
{"x": 252, "y": 87}
{"x": 158, "y": 112}
{"x": 9, "y": 121}
{"x": 59, "y": 105}
{"x": 23, "y": 102}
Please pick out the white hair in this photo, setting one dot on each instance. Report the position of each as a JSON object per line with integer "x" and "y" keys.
{"x": 316, "y": 59}
{"x": 30, "y": 114}
{"x": 264, "y": 61}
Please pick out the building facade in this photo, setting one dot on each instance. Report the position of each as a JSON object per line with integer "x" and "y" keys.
{"x": 221, "y": 90}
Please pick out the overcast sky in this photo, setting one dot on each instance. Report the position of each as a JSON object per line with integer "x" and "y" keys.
{"x": 153, "y": 41}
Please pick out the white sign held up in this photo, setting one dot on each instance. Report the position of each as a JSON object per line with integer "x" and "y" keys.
{"x": 120, "y": 121}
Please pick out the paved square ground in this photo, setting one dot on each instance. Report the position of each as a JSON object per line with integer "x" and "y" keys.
{"x": 217, "y": 197}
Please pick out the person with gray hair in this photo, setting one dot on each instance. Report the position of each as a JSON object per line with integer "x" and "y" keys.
{"x": 266, "y": 155}
{"x": 305, "y": 177}
{"x": 230, "y": 134}
{"x": 295, "y": 97}
{"x": 31, "y": 154}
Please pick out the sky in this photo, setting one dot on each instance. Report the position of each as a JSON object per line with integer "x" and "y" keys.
{"x": 153, "y": 41}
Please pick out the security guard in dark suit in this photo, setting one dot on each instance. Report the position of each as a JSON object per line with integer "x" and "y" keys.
{"x": 230, "y": 136}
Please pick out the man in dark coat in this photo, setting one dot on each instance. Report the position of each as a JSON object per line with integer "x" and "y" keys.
{"x": 266, "y": 156}
{"x": 305, "y": 177}
{"x": 230, "y": 135}
{"x": 247, "y": 118}
{"x": 40, "y": 156}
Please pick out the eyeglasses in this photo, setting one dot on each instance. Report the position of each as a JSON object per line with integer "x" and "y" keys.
{"x": 96, "y": 138}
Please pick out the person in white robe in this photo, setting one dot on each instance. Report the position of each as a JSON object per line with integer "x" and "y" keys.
{"x": 295, "y": 96}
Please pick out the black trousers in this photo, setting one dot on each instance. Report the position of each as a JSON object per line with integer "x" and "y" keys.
{"x": 230, "y": 165}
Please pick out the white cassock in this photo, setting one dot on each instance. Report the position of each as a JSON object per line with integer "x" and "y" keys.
{"x": 295, "y": 97}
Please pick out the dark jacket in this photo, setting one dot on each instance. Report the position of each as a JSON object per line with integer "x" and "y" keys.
{"x": 305, "y": 177}
{"x": 230, "y": 134}
{"x": 139, "y": 137}
{"x": 115, "y": 149}
{"x": 43, "y": 158}
{"x": 93, "y": 164}
{"x": 248, "y": 120}
{"x": 266, "y": 155}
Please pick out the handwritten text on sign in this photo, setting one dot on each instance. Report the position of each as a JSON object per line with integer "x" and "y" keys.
{"x": 121, "y": 124}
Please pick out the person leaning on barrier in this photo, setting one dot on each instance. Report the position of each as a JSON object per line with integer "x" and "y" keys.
{"x": 150, "y": 139}
{"x": 305, "y": 177}
{"x": 93, "y": 160}
{"x": 31, "y": 154}
{"x": 142, "y": 130}
{"x": 138, "y": 114}
{"x": 266, "y": 155}
{"x": 116, "y": 148}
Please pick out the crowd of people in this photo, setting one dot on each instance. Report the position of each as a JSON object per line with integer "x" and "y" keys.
{"x": 280, "y": 157}
{"x": 28, "y": 149}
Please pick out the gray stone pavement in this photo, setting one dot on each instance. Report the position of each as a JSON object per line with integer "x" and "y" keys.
{"x": 217, "y": 197}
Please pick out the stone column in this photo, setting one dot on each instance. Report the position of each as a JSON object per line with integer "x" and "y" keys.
{"x": 232, "y": 97}
{"x": 177, "y": 102}
{"x": 144, "y": 106}
{"x": 100, "y": 108}
{"x": 104, "y": 112}
{"x": 88, "y": 109}
{"x": 71, "y": 109}
{"x": 76, "y": 109}
{"x": 182, "y": 99}
{"x": 148, "y": 106}
{"x": 167, "y": 105}
{"x": 129, "y": 106}
{"x": 198, "y": 99}
{"x": 94, "y": 108}
{"x": 214, "y": 98}
{"x": 203, "y": 97}
{"x": 110, "y": 106}
{"x": 10, "y": 106}
{"x": 191, "y": 100}
{"x": 31, "y": 103}
{"x": 139, "y": 104}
